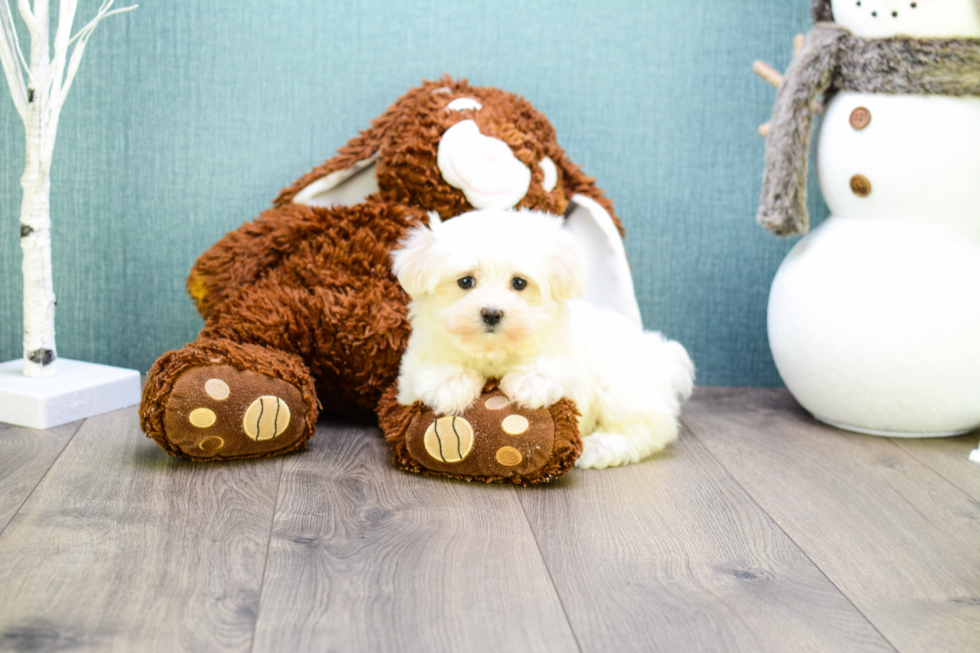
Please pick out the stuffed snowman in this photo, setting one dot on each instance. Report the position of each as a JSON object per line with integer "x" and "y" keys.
{"x": 874, "y": 317}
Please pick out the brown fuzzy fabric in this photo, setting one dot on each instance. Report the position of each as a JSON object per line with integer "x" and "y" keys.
{"x": 314, "y": 284}
{"x": 395, "y": 421}
{"x": 169, "y": 367}
{"x": 406, "y": 138}
{"x": 331, "y": 299}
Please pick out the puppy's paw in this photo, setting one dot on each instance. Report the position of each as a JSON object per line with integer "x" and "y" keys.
{"x": 531, "y": 389}
{"x": 448, "y": 391}
{"x": 601, "y": 450}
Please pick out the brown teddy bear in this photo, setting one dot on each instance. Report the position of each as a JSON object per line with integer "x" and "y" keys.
{"x": 302, "y": 310}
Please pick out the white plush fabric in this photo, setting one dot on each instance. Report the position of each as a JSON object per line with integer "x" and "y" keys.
{"x": 921, "y": 154}
{"x": 484, "y": 168}
{"x": 875, "y": 326}
{"x": 608, "y": 282}
{"x": 462, "y": 104}
{"x": 550, "y": 174}
{"x": 342, "y": 188}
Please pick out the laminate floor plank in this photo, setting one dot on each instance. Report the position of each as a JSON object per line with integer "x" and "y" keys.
{"x": 672, "y": 555}
{"x": 897, "y": 539}
{"x": 26, "y": 455}
{"x": 365, "y": 557}
{"x": 948, "y": 457}
{"x": 122, "y": 548}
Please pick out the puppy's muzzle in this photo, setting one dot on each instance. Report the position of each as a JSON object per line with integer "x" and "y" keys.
{"x": 491, "y": 316}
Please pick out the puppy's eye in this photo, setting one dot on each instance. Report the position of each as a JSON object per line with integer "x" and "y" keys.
{"x": 466, "y": 283}
{"x": 518, "y": 284}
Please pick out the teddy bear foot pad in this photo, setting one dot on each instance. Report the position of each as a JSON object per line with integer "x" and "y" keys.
{"x": 494, "y": 440}
{"x": 218, "y": 412}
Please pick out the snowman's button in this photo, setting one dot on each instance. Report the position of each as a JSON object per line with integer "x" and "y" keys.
{"x": 860, "y": 118}
{"x": 860, "y": 185}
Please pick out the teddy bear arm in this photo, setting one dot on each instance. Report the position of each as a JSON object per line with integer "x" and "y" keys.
{"x": 249, "y": 252}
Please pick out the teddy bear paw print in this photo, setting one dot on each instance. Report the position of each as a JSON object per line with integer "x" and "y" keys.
{"x": 217, "y": 411}
{"x": 492, "y": 438}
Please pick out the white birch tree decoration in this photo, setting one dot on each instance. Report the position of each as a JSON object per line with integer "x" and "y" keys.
{"x": 39, "y": 90}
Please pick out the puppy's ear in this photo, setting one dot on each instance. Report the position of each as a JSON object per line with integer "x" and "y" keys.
{"x": 566, "y": 276}
{"x": 412, "y": 263}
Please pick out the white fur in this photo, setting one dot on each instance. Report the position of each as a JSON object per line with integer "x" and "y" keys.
{"x": 627, "y": 383}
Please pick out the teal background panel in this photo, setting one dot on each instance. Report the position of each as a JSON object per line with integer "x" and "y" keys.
{"x": 188, "y": 116}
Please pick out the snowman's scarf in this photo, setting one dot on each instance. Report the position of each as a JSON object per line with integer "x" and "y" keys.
{"x": 832, "y": 59}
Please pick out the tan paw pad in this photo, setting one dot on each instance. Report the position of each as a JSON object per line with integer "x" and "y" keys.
{"x": 509, "y": 456}
{"x": 514, "y": 424}
{"x": 497, "y": 402}
{"x": 202, "y": 418}
{"x": 266, "y": 418}
{"x": 211, "y": 444}
{"x": 217, "y": 389}
{"x": 449, "y": 439}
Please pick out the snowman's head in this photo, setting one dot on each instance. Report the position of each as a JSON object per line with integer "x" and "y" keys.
{"x": 915, "y": 18}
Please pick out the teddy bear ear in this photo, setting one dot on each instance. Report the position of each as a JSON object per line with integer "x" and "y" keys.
{"x": 344, "y": 180}
{"x": 343, "y": 187}
{"x": 348, "y": 177}
{"x": 608, "y": 282}
{"x": 576, "y": 182}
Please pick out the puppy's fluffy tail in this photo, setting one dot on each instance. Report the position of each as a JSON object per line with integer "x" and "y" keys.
{"x": 671, "y": 356}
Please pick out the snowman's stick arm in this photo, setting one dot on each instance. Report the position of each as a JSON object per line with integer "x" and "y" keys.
{"x": 773, "y": 76}
{"x": 767, "y": 72}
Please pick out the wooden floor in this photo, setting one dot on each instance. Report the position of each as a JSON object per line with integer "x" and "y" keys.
{"x": 761, "y": 530}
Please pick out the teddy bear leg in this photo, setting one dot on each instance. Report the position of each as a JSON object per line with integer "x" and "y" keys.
{"x": 493, "y": 440}
{"x": 216, "y": 399}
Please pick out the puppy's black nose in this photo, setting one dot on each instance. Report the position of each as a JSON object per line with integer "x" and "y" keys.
{"x": 491, "y": 316}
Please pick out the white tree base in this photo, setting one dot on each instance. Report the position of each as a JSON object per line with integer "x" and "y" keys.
{"x": 79, "y": 390}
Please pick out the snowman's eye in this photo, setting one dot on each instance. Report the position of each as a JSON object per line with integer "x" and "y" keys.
{"x": 462, "y": 104}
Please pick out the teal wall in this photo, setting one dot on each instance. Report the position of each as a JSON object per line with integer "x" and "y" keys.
{"x": 188, "y": 116}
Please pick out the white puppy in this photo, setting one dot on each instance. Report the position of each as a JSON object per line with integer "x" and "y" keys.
{"x": 495, "y": 295}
